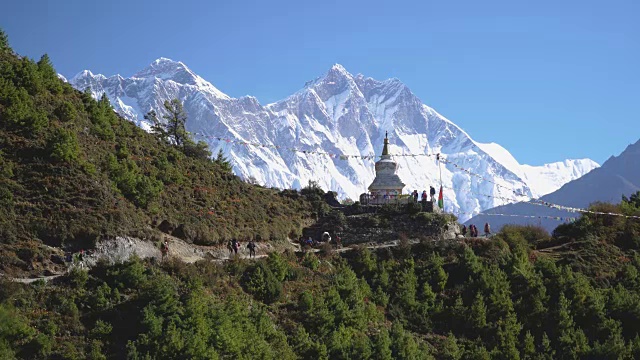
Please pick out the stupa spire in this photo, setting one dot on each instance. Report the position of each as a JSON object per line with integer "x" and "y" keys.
{"x": 385, "y": 150}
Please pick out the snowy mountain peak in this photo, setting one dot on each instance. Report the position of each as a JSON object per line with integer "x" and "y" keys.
{"x": 339, "y": 69}
{"x": 165, "y": 69}
{"x": 336, "y": 114}
{"x": 542, "y": 179}
{"x": 168, "y": 69}
{"x": 87, "y": 74}
{"x": 336, "y": 77}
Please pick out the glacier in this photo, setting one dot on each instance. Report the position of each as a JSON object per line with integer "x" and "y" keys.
{"x": 341, "y": 114}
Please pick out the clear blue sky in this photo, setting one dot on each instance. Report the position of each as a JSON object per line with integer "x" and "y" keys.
{"x": 548, "y": 80}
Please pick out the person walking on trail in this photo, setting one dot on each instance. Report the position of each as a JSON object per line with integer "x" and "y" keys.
{"x": 415, "y": 195}
{"x": 230, "y": 247}
{"x": 78, "y": 259}
{"x": 487, "y": 230}
{"x": 302, "y": 243}
{"x": 235, "y": 244}
{"x": 338, "y": 241}
{"x": 432, "y": 191}
{"x": 164, "y": 249}
{"x": 464, "y": 230}
{"x": 424, "y": 195}
{"x": 252, "y": 249}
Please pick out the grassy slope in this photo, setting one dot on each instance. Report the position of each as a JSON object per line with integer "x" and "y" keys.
{"x": 72, "y": 172}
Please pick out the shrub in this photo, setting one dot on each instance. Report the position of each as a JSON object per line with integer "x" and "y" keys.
{"x": 413, "y": 208}
{"x": 78, "y": 277}
{"x": 259, "y": 281}
{"x": 66, "y": 112}
{"x": 21, "y": 113}
{"x": 278, "y": 265}
{"x": 311, "y": 261}
{"x": 336, "y": 219}
{"x": 64, "y": 146}
{"x": 431, "y": 219}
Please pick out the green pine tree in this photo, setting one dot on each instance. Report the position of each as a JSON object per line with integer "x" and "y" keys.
{"x": 4, "y": 42}
{"x": 173, "y": 128}
{"x": 224, "y": 163}
{"x": 478, "y": 313}
{"x": 382, "y": 346}
{"x": 528, "y": 347}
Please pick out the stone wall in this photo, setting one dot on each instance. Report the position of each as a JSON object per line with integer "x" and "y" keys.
{"x": 379, "y": 227}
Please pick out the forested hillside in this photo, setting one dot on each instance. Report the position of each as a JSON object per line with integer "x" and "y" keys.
{"x": 522, "y": 294}
{"x": 73, "y": 172}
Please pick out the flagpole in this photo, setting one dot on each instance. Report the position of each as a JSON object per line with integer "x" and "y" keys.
{"x": 440, "y": 192}
{"x": 439, "y": 167}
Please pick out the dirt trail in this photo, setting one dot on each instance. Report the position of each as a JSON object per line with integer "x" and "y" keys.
{"x": 123, "y": 248}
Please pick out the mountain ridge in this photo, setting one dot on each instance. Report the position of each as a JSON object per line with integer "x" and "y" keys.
{"x": 617, "y": 176}
{"x": 337, "y": 113}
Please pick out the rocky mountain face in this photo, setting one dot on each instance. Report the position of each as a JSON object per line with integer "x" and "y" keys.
{"x": 619, "y": 175}
{"x": 340, "y": 114}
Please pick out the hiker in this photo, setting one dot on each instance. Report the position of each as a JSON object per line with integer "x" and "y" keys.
{"x": 424, "y": 195}
{"x": 164, "y": 249}
{"x": 487, "y": 230}
{"x": 252, "y": 248}
{"x": 338, "y": 241}
{"x": 235, "y": 244}
{"x": 310, "y": 241}
{"x": 230, "y": 247}
{"x": 475, "y": 231}
{"x": 432, "y": 191}
{"x": 415, "y": 196}
{"x": 471, "y": 230}
{"x": 77, "y": 259}
{"x": 464, "y": 230}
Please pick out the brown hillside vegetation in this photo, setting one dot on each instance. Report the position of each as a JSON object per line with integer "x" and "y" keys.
{"x": 72, "y": 172}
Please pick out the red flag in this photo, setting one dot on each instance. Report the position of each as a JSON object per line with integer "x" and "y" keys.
{"x": 441, "y": 199}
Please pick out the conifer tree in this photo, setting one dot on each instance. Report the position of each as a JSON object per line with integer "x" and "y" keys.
{"x": 173, "y": 129}
{"x": 405, "y": 285}
{"x": 382, "y": 346}
{"x": 437, "y": 274}
{"x": 403, "y": 346}
{"x": 546, "y": 350}
{"x": 4, "y": 42}
{"x": 528, "y": 347}
{"x": 477, "y": 352}
{"x": 450, "y": 348}
{"x": 222, "y": 160}
{"x": 478, "y": 313}
{"x": 49, "y": 75}
{"x": 508, "y": 332}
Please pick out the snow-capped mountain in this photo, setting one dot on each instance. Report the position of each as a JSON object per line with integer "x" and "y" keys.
{"x": 543, "y": 179}
{"x": 618, "y": 176}
{"x": 341, "y": 114}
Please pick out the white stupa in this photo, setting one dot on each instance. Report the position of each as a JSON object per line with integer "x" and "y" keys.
{"x": 386, "y": 182}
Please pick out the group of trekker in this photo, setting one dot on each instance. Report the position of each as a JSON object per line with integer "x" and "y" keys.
{"x": 77, "y": 258}
{"x": 325, "y": 238}
{"x": 234, "y": 245}
{"x": 473, "y": 230}
{"x": 432, "y": 193}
